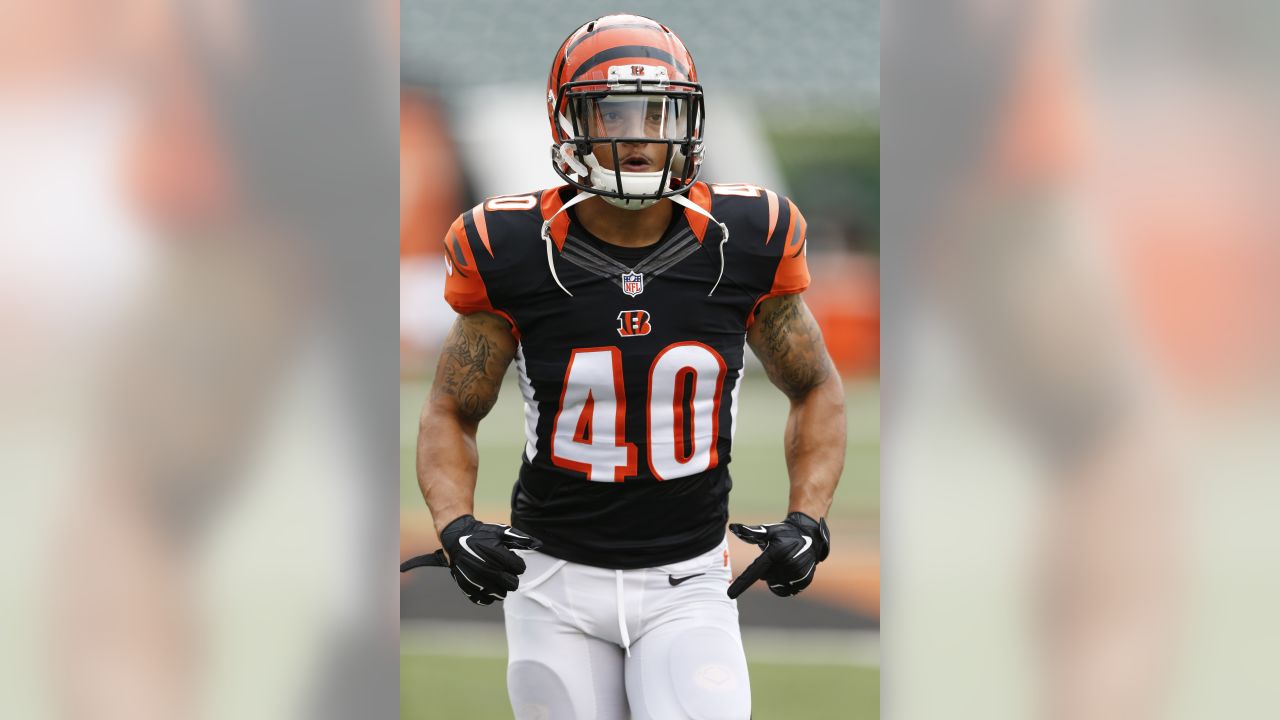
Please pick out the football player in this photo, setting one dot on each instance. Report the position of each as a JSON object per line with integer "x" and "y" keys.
{"x": 625, "y": 298}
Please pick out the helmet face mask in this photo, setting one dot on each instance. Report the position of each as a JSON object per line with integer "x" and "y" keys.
{"x": 664, "y": 125}
{"x": 627, "y": 130}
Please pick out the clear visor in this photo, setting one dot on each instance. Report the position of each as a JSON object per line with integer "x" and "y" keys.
{"x": 657, "y": 117}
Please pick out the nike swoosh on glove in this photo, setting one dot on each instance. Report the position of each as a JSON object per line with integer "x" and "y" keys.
{"x": 792, "y": 550}
{"x": 482, "y": 562}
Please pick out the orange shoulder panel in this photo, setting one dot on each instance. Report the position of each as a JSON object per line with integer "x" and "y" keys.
{"x": 464, "y": 289}
{"x": 482, "y": 228}
{"x": 700, "y": 194}
{"x": 792, "y": 275}
{"x": 795, "y": 233}
{"x": 551, "y": 202}
{"x": 773, "y": 214}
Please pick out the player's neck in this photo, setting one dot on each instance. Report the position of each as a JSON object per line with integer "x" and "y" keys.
{"x": 622, "y": 227}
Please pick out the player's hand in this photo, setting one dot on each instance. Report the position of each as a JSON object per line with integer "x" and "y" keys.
{"x": 792, "y": 550}
{"x": 479, "y": 558}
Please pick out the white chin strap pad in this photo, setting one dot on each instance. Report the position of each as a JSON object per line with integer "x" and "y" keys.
{"x": 626, "y": 204}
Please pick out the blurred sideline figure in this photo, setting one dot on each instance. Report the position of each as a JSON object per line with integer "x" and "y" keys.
{"x": 184, "y": 391}
{"x": 1111, "y": 278}
{"x": 224, "y": 365}
{"x": 626, "y": 323}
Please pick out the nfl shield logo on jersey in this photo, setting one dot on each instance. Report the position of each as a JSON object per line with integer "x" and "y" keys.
{"x": 633, "y": 283}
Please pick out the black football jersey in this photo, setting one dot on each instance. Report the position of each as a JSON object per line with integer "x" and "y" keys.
{"x": 628, "y": 361}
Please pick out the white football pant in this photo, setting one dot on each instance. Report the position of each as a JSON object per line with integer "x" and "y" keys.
{"x": 589, "y": 643}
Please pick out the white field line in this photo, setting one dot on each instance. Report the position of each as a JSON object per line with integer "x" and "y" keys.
{"x": 462, "y": 638}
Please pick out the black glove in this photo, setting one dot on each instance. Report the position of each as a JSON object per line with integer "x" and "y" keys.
{"x": 482, "y": 562}
{"x": 792, "y": 549}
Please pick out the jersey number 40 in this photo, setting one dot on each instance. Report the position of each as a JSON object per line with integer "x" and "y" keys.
{"x": 681, "y": 424}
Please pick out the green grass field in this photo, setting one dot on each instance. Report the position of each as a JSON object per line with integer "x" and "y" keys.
{"x": 444, "y": 688}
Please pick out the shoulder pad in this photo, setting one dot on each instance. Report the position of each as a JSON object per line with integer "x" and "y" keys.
{"x": 768, "y": 234}
{"x": 489, "y": 249}
{"x": 464, "y": 286}
{"x": 503, "y": 224}
{"x": 757, "y": 217}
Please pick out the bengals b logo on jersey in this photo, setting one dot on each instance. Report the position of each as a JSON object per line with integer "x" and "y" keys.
{"x": 633, "y": 322}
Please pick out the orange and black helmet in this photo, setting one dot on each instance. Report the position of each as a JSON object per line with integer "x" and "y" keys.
{"x": 603, "y": 70}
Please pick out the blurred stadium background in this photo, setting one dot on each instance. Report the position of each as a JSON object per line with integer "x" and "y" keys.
{"x": 793, "y": 104}
{"x": 196, "y": 433}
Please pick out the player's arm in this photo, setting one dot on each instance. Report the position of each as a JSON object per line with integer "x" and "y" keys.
{"x": 469, "y": 373}
{"x": 786, "y": 339}
{"x": 479, "y": 555}
{"x": 788, "y": 342}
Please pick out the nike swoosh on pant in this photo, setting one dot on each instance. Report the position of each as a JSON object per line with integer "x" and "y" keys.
{"x": 676, "y": 581}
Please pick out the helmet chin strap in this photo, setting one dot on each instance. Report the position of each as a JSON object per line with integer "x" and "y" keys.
{"x": 680, "y": 200}
{"x": 571, "y": 159}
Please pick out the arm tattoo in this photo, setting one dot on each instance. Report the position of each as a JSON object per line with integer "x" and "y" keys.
{"x": 789, "y": 344}
{"x": 472, "y": 363}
